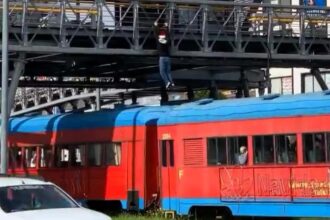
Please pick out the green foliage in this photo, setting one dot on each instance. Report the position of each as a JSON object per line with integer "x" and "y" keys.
{"x": 203, "y": 94}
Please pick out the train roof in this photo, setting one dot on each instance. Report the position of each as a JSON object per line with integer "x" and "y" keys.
{"x": 105, "y": 118}
{"x": 249, "y": 108}
{"x": 199, "y": 111}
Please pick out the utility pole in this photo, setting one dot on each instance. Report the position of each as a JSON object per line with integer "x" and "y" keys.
{"x": 4, "y": 88}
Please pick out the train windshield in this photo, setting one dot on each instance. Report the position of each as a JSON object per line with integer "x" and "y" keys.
{"x": 32, "y": 197}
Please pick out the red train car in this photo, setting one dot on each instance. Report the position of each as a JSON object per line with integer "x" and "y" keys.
{"x": 101, "y": 156}
{"x": 286, "y": 169}
{"x": 267, "y": 156}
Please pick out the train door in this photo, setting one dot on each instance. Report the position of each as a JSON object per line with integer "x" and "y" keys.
{"x": 152, "y": 171}
{"x": 77, "y": 172}
{"x": 96, "y": 171}
{"x": 70, "y": 171}
{"x": 167, "y": 168}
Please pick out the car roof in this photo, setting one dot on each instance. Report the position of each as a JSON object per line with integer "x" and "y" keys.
{"x": 18, "y": 181}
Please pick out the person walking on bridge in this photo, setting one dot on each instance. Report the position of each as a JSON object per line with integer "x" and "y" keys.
{"x": 162, "y": 36}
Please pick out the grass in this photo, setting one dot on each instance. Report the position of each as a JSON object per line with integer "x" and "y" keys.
{"x": 135, "y": 217}
{"x": 143, "y": 217}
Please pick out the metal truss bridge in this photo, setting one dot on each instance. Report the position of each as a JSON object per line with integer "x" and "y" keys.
{"x": 211, "y": 29}
{"x": 65, "y": 43}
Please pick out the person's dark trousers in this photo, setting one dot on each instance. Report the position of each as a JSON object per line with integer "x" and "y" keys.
{"x": 165, "y": 69}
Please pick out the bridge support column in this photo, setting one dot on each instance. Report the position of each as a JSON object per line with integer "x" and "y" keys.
{"x": 63, "y": 41}
{"x": 261, "y": 89}
{"x": 190, "y": 93}
{"x": 316, "y": 73}
{"x": 4, "y": 89}
{"x": 136, "y": 24}
{"x": 122, "y": 98}
{"x": 244, "y": 83}
{"x": 164, "y": 96}
{"x": 239, "y": 93}
{"x": 16, "y": 74}
{"x": 98, "y": 98}
{"x": 270, "y": 38}
{"x": 205, "y": 29}
{"x": 24, "y": 29}
{"x": 238, "y": 26}
{"x": 134, "y": 98}
{"x": 302, "y": 40}
{"x": 213, "y": 92}
{"x": 267, "y": 78}
{"x": 99, "y": 33}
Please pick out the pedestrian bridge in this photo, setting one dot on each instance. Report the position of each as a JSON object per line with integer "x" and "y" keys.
{"x": 205, "y": 29}
{"x": 110, "y": 44}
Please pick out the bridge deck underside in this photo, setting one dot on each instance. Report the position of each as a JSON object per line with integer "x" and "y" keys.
{"x": 115, "y": 39}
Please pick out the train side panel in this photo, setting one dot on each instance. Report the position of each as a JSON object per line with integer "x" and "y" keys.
{"x": 95, "y": 182}
{"x": 292, "y": 190}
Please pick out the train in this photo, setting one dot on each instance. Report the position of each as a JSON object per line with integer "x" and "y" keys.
{"x": 265, "y": 156}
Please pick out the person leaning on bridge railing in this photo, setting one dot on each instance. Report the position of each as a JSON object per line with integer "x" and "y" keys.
{"x": 246, "y": 24}
{"x": 162, "y": 35}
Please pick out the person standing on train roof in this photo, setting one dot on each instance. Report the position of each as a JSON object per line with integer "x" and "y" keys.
{"x": 162, "y": 35}
{"x": 242, "y": 157}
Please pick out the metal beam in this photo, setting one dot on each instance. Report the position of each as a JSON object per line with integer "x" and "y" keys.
{"x": 316, "y": 73}
{"x": 229, "y": 3}
{"x": 110, "y": 51}
{"x": 18, "y": 71}
{"x": 4, "y": 89}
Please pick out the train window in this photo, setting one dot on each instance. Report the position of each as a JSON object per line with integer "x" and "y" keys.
{"x": 94, "y": 155}
{"x": 78, "y": 155}
{"x": 237, "y": 150}
{"x": 216, "y": 151}
{"x": 30, "y": 157}
{"x": 113, "y": 154}
{"x": 286, "y": 148}
{"x": 171, "y": 154}
{"x": 167, "y": 153}
{"x": 62, "y": 156}
{"x": 15, "y": 157}
{"x": 212, "y": 151}
{"x": 314, "y": 148}
{"x": 164, "y": 153}
{"x": 275, "y": 149}
{"x": 226, "y": 151}
{"x": 46, "y": 157}
{"x": 263, "y": 147}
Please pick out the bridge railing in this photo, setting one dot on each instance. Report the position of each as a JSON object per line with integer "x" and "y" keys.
{"x": 196, "y": 25}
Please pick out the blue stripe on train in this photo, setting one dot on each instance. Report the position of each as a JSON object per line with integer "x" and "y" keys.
{"x": 125, "y": 206}
{"x": 300, "y": 207}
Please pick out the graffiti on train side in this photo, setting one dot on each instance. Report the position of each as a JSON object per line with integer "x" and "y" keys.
{"x": 313, "y": 188}
{"x": 263, "y": 185}
{"x": 236, "y": 187}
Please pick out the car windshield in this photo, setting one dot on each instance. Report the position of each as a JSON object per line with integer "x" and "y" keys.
{"x": 31, "y": 197}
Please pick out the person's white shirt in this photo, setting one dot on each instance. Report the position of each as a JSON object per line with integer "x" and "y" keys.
{"x": 242, "y": 157}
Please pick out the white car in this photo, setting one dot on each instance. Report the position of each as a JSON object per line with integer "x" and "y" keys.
{"x": 26, "y": 198}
